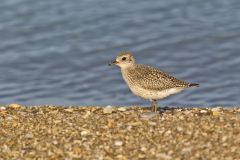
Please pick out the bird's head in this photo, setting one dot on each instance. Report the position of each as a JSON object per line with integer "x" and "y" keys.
{"x": 124, "y": 60}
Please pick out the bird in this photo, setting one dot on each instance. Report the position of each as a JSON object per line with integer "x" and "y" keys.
{"x": 148, "y": 82}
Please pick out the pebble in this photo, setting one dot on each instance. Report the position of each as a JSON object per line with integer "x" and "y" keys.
{"x": 203, "y": 111}
{"x": 143, "y": 149}
{"x": 122, "y": 109}
{"x": 180, "y": 129}
{"x": 152, "y": 123}
{"x": 224, "y": 138}
{"x": 186, "y": 150}
{"x": 216, "y": 113}
{"x": 217, "y": 109}
{"x": 181, "y": 117}
{"x": 2, "y": 108}
{"x": 187, "y": 112}
{"x": 9, "y": 118}
{"x": 86, "y": 115}
{"x": 118, "y": 143}
{"x": 29, "y": 135}
{"x": 69, "y": 110}
{"x": 55, "y": 142}
{"x": 14, "y": 106}
{"x": 108, "y": 110}
{"x": 163, "y": 156}
{"x": 85, "y": 132}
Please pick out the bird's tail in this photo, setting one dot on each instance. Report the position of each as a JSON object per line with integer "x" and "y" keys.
{"x": 193, "y": 85}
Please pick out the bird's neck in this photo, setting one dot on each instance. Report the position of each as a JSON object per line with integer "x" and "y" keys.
{"x": 126, "y": 67}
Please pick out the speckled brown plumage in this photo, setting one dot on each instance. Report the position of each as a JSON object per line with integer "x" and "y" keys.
{"x": 148, "y": 82}
{"x": 151, "y": 78}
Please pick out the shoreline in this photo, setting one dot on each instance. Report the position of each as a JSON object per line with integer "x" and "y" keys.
{"x": 55, "y": 132}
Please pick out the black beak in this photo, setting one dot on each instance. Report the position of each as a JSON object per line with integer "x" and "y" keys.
{"x": 113, "y": 62}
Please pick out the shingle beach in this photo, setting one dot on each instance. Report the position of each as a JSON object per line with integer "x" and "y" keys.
{"x": 55, "y": 132}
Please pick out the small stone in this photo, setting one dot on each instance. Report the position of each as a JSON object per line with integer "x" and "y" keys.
{"x": 224, "y": 138}
{"x": 135, "y": 123}
{"x": 14, "y": 106}
{"x": 108, "y": 110}
{"x": 181, "y": 117}
{"x": 118, "y": 143}
{"x": 186, "y": 150}
{"x": 29, "y": 135}
{"x": 217, "y": 109}
{"x": 203, "y": 111}
{"x": 120, "y": 156}
{"x": 55, "y": 142}
{"x": 216, "y": 113}
{"x": 86, "y": 115}
{"x": 152, "y": 123}
{"x": 163, "y": 156}
{"x": 142, "y": 156}
{"x": 77, "y": 150}
{"x": 69, "y": 110}
{"x": 57, "y": 121}
{"x": 180, "y": 129}
{"x": 9, "y": 118}
{"x": 110, "y": 123}
{"x": 77, "y": 141}
{"x": 234, "y": 149}
{"x": 2, "y": 108}
{"x": 168, "y": 132}
{"x": 3, "y": 112}
{"x": 187, "y": 112}
{"x": 143, "y": 149}
{"x": 85, "y": 132}
{"x": 129, "y": 128}
{"x": 122, "y": 109}
{"x": 54, "y": 112}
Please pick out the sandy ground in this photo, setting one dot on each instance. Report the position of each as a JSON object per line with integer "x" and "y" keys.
{"x": 49, "y": 132}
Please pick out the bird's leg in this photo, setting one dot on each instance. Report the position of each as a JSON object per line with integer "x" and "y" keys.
{"x": 154, "y": 105}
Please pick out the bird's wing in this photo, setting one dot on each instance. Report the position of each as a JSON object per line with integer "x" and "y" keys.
{"x": 152, "y": 78}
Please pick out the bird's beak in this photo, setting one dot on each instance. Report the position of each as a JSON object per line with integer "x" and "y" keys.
{"x": 112, "y": 63}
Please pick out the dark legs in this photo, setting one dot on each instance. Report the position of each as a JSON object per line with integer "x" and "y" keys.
{"x": 154, "y": 105}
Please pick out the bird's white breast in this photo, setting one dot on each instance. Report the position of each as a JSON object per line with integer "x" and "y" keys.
{"x": 154, "y": 94}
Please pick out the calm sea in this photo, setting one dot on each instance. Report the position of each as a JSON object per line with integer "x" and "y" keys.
{"x": 56, "y": 51}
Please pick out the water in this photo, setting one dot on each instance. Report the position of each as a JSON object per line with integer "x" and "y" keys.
{"x": 56, "y": 52}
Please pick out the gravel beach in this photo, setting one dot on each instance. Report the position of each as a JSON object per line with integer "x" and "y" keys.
{"x": 55, "y": 132}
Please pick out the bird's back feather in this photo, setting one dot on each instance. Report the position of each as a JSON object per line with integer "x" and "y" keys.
{"x": 151, "y": 78}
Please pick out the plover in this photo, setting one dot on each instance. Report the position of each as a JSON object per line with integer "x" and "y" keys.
{"x": 148, "y": 82}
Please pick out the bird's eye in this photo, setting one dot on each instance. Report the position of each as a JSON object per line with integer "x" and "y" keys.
{"x": 124, "y": 58}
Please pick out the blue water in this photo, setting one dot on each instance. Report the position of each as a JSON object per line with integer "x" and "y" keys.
{"x": 56, "y": 51}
